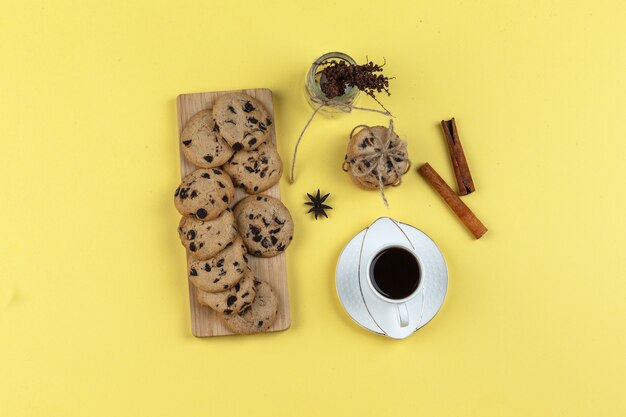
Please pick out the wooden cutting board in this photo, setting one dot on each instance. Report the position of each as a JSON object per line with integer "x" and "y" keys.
{"x": 204, "y": 321}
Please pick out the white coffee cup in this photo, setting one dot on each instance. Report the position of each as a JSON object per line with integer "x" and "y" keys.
{"x": 396, "y": 317}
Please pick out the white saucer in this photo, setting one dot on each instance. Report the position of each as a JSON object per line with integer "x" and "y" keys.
{"x": 359, "y": 300}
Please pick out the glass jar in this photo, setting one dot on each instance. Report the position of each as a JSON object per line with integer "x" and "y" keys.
{"x": 313, "y": 90}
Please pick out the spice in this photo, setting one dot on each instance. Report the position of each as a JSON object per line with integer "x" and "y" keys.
{"x": 453, "y": 201}
{"x": 318, "y": 208}
{"x": 459, "y": 163}
{"x": 339, "y": 74}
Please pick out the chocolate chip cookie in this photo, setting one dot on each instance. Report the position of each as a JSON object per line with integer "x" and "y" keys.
{"x": 233, "y": 300}
{"x": 363, "y": 158}
{"x": 259, "y": 316}
{"x": 202, "y": 143}
{"x": 220, "y": 272}
{"x": 265, "y": 225}
{"x": 243, "y": 121}
{"x": 204, "y": 193}
{"x": 204, "y": 240}
{"x": 256, "y": 170}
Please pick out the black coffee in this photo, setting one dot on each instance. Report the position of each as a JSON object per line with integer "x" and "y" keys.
{"x": 395, "y": 273}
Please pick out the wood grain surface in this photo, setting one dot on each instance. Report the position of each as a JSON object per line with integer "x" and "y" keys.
{"x": 204, "y": 321}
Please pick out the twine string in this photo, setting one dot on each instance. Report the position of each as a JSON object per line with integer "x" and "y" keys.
{"x": 334, "y": 104}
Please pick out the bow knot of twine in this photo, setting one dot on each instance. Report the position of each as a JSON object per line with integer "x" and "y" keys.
{"x": 338, "y": 105}
{"x": 385, "y": 151}
{"x": 334, "y": 104}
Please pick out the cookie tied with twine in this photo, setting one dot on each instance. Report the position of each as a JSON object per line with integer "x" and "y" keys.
{"x": 376, "y": 158}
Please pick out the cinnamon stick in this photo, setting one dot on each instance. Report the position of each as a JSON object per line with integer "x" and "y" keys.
{"x": 453, "y": 201}
{"x": 459, "y": 163}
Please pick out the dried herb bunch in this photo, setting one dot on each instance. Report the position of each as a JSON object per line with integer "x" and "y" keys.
{"x": 366, "y": 77}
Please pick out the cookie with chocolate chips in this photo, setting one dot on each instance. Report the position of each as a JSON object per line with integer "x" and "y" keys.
{"x": 204, "y": 240}
{"x": 220, "y": 272}
{"x": 255, "y": 170}
{"x": 243, "y": 121}
{"x": 264, "y": 224}
{"x": 205, "y": 193}
{"x": 259, "y": 316}
{"x": 233, "y": 300}
{"x": 365, "y": 162}
{"x": 202, "y": 143}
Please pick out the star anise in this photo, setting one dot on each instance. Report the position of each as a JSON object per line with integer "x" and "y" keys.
{"x": 317, "y": 204}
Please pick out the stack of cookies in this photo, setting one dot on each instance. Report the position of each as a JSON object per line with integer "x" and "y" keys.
{"x": 230, "y": 144}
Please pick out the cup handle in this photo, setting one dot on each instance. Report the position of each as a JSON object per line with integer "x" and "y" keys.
{"x": 403, "y": 314}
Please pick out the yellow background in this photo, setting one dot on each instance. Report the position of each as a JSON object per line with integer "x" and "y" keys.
{"x": 94, "y": 316}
